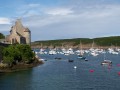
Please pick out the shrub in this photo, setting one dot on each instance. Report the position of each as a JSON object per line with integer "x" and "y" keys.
{"x": 17, "y": 53}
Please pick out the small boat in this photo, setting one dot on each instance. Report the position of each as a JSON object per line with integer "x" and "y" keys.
{"x": 70, "y": 60}
{"x": 86, "y": 59}
{"x": 81, "y": 57}
{"x": 106, "y": 62}
{"x": 41, "y": 59}
{"x": 58, "y": 58}
{"x": 45, "y": 60}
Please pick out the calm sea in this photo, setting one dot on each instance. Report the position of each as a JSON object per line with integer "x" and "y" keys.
{"x": 61, "y": 75}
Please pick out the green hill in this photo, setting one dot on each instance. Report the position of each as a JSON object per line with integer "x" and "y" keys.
{"x": 102, "y": 41}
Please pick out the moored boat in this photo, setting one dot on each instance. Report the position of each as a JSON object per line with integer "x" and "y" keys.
{"x": 106, "y": 62}
{"x": 70, "y": 60}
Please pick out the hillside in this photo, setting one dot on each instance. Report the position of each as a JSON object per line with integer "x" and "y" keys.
{"x": 86, "y": 42}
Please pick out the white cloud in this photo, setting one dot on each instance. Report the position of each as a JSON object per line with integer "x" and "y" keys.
{"x": 81, "y": 20}
{"x": 33, "y": 5}
{"x": 59, "y": 11}
{"x": 4, "y": 20}
{"x": 91, "y": 22}
{"x": 64, "y": 15}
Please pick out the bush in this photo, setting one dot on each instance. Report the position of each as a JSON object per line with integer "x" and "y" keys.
{"x": 1, "y": 36}
{"x": 17, "y": 53}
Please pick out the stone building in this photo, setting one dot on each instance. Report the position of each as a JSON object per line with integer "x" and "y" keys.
{"x": 19, "y": 34}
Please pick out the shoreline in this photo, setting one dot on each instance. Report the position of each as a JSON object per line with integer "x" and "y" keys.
{"x": 20, "y": 67}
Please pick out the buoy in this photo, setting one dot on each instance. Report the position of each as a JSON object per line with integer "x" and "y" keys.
{"x": 91, "y": 71}
{"x": 119, "y": 73}
{"x": 109, "y": 67}
{"x": 75, "y": 67}
{"x": 118, "y": 65}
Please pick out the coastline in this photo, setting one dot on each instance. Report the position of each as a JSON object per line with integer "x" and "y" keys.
{"x": 20, "y": 67}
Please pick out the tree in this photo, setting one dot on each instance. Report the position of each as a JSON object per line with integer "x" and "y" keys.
{"x": 18, "y": 53}
{"x": 1, "y": 50}
{"x": 8, "y": 55}
{"x": 26, "y": 52}
{"x": 1, "y": 36}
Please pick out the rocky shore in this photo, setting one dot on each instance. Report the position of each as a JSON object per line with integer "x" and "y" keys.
{"x": 20, "y": 66}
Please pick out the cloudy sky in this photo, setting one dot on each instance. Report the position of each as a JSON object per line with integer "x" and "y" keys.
{"x": 61, "y": 19}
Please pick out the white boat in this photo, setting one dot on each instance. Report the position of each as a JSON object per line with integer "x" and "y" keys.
{"x": 106, "y": 62}
{"x": 41, "y": 59}
{"x": 52, "y": 52}
{"x": 93, "y": 53}
{"x": 41, "y": 51}
{"x": 81, "y": 52}
{"x": 69, "y": 51}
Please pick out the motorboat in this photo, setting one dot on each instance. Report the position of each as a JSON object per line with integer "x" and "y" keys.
{"x": 81, "y": 57}
{"x": 106, "y": 62}
{"x": 58, "y": 58}
{"x": 86, "y": 59}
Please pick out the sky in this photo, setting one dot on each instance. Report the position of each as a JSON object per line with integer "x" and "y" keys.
{"x": 62, "y": 19}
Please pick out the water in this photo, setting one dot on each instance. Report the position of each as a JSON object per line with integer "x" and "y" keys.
{"x": 61, "y": 75}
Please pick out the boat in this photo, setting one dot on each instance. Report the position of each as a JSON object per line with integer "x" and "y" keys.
{"x": 41, "y": 59}
{"x": 70, "y": 60}
{"x": 86, "y": 59}
{"x": 106, "y": 62}
{"x": 80, "y": 56}
{"x": 58, "y": 58}
{"x": 52, "y": 52}
{"x": 93, "y": 51}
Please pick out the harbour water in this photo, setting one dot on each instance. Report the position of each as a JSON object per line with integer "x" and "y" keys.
{"x": 61, "y": 75}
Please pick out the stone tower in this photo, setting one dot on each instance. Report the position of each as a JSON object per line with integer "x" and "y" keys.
{"x": 27, "y": 35}
{"x": 19, "y": 34}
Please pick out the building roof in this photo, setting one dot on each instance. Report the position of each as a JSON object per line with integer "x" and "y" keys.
{"x": 26, "y": 30}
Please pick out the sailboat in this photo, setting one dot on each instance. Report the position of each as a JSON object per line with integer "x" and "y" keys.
{"x": 41, "y": 49}
{"x": 80, "y": 56}
{"x": 93, "y": 51}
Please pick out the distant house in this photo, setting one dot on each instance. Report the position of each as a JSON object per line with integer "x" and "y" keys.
{"x": 19, "y": 34}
